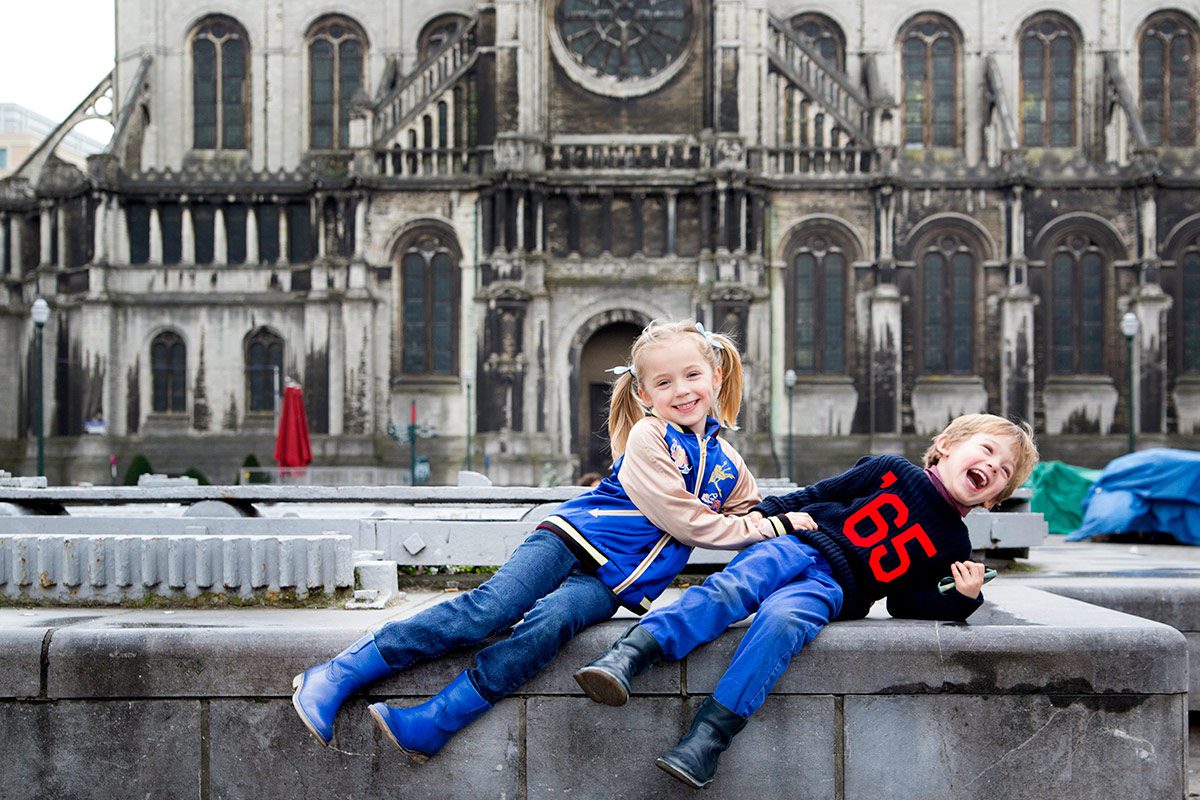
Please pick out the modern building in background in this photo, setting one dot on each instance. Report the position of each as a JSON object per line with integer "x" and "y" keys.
{"x": 470, "y": 209}
{"x": 22, "y": 131}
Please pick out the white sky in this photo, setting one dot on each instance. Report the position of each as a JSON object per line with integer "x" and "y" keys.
{"x": 53, "y": 53}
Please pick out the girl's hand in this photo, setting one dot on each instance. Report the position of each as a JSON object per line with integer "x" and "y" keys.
{"x": 801, "y": 521}
{"x": 968, "y": 578}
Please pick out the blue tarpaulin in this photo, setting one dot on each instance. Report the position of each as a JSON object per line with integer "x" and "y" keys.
{"x": 1151, "y": 491}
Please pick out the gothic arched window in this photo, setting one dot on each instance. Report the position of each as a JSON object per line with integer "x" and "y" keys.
{"x": 429, "y": 280}
{"x": 264, "y": 369}
{"x": 168, "y": 371}
{"x": 824, "y": 35}
{"x": 1048, "y": 48}
{"x": 816, "y": 312}
{"x": 220, "y": 84}
{"x": 946, "y": 271}
{"x": 337, "y": 52}
{"x": 1076, "y": 271}
{"x": 929, "y": 48}
{"x": 1168, "y": 79}
{"x": 437, "y": 32}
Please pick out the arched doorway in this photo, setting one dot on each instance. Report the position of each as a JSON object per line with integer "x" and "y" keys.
{"x": 606, "y": 348}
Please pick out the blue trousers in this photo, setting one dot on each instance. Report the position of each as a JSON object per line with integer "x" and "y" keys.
{"x": 541, "y": 588}
{"x": 789, "y": 588}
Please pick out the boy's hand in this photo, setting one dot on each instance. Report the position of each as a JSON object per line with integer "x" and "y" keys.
{"x": 968, "y": 578}
{"x": 801, "y": 521}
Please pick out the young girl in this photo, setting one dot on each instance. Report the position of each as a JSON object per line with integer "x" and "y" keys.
{"x": 675, "y": 485}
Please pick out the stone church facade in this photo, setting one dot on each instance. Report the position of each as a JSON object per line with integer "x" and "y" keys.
{"x": 469, "y": 209}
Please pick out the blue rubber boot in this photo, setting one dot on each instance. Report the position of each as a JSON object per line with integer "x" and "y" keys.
{"x": 321, "y": 690}
{"x": 422, "y": 730}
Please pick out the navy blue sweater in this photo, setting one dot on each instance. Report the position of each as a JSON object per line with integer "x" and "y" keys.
{"x": 887, "y": 532}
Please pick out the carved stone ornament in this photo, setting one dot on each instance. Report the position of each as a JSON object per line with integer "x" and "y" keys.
{"x": 622, "y": 48}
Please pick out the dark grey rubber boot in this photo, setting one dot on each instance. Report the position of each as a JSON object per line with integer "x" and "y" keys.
{"x": 606, "y": 680}
{"x": 694, "y": 759}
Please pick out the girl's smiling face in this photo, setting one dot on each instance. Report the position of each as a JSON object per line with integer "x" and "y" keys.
{"x": 976, "y": 470}
{"x": 678, "y": 382}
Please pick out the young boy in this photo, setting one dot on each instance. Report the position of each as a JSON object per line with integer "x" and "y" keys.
{"x": 884, "y": 528}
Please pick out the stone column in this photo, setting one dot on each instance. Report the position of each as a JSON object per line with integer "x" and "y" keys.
{"x": 187, "y": 234}
{"x": 1151, "y": 305}
{"x": 99, "y": 237}
{"x": 120, "y": 236}
{"x": 672, "y": 198}
{"x": 360, "y": 228}
{"x": 156, "y": 242}
{"x": 60, "y": 235}
{"x": 251, "y": 235}
{"x": 283, "y": 234}
{"x": 5, "y": 260}
{"x": 44, "y": 231}
{"x": 220, "y": 238}
{"x": 14, "y": 247}
{"x": 886, "y": 343}
{"x": 1017, "y": 321}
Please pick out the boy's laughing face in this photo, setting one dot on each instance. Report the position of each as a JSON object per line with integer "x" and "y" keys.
{"x": 976, "y": 470}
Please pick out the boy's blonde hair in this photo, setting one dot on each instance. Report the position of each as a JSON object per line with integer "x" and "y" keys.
{"x": 1025, "y": 452}
{"x": 626, "y": 408}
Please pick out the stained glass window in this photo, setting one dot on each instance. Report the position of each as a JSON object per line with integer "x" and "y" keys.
{"x": 1168, "y": 80}
{"x": 429, "y": 292}
{"x": 220, "y": 65}
{"x": 168, "y": 368}
{"x": 336, "y": 52}
{"x": 1048, "y": 82}
{"x": 825, "y": 35}
{"x": 947, "y": 273}
{"x": 264, "y": 365}
{"x": 818, "y": 308}
{"x": 929, "y": 65}
{"x": 1077, "y": 307}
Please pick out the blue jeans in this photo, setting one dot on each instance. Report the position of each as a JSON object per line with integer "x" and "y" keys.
{"x": 789, "y": 588}
{"x": 542, "y": 582}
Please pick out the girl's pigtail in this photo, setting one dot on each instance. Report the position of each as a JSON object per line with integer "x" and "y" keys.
{"x": 729, "y": 398}
{"x": 624, "y": 411}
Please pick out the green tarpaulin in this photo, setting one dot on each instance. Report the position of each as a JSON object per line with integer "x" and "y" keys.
{"x": 1058, "y": 492}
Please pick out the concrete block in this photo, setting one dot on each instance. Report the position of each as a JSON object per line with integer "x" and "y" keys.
{"x": 559, "y": 676}
{"x": 1033, "y": 747}
{"x": 101, "y": 749}
{"x": 261, "y": 749}
{"x": 1021, "y": 641}
{"x": 577, "y": 748}
{"x": 21, "y": 661}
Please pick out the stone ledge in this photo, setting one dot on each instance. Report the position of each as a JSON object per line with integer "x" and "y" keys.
{"x": 1040, "y": 696}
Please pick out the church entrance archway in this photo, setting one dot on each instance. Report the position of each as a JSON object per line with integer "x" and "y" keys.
{"x": 607, "y": 347}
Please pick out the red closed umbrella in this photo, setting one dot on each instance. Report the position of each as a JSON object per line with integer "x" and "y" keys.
{"x": 292, "y": 449}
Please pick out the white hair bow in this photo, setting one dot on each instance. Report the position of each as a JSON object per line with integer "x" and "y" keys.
{"x": 712, "y": 340}
{"x": 620, "y": 369}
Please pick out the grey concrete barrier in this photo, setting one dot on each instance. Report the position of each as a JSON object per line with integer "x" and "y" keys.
{"x": 1038, "y": 697}
{"x": 112, "y": 569}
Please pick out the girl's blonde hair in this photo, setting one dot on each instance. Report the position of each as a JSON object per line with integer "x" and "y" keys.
{"x": 626, "y": 408}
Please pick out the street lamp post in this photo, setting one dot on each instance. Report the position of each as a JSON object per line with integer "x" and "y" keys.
{"x": 789, "y": 381}
{"x": 1129, "y": 328}
{"x": 40, "y": 314}
{"x": 468, "y": 379}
